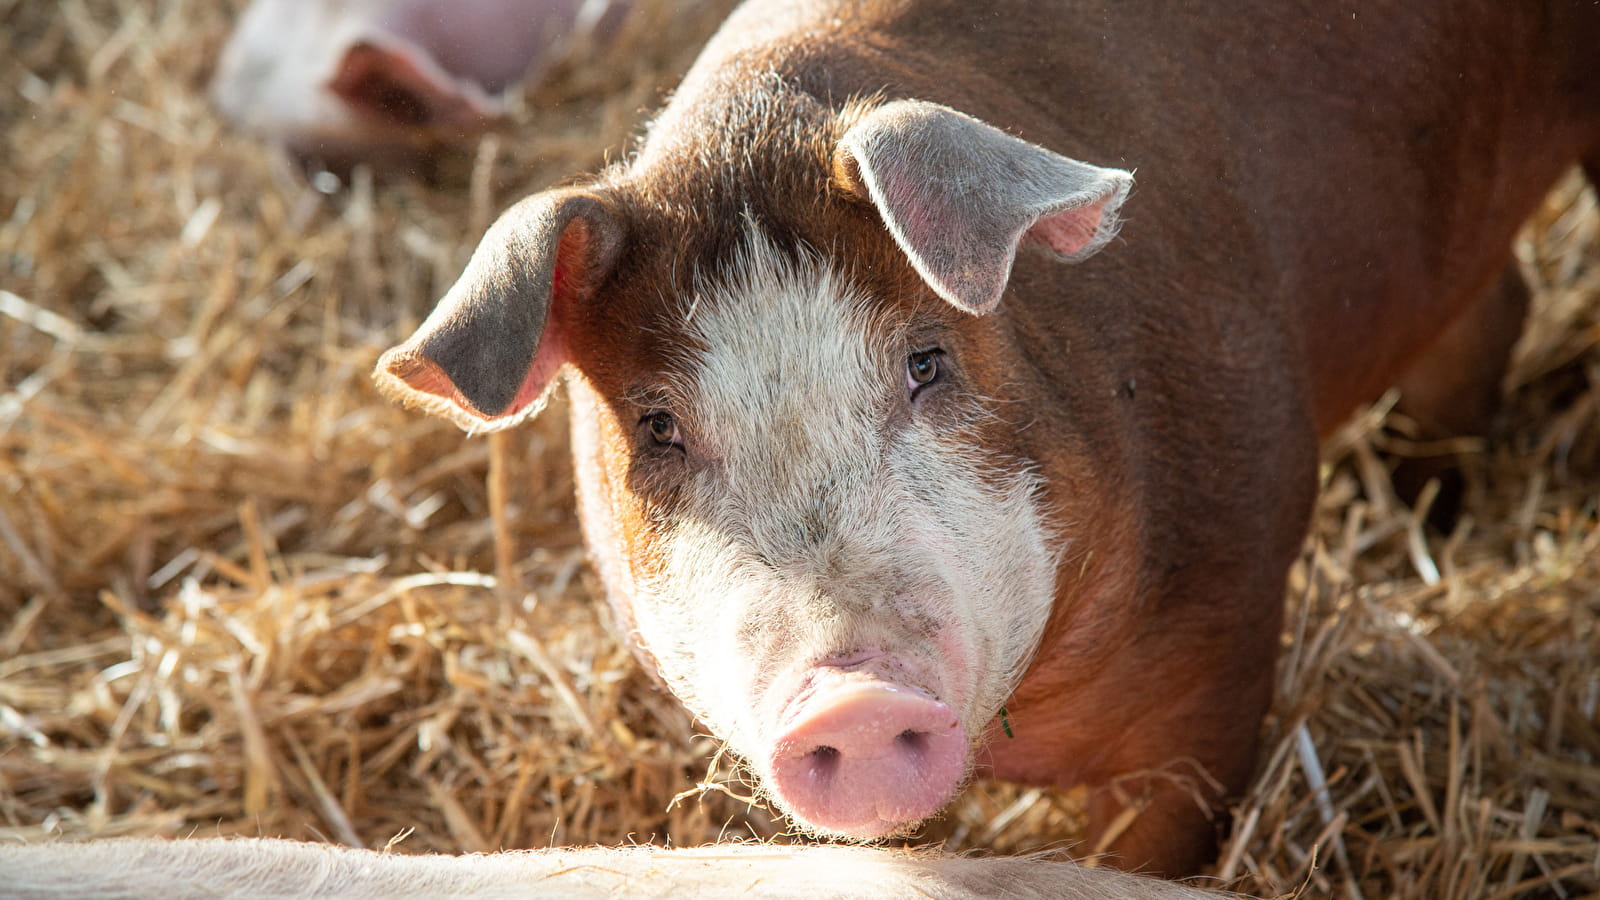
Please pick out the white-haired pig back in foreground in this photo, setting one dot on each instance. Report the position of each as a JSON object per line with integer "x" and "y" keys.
{"x": 342, "y": 80}
{"x": 174, "y": 870}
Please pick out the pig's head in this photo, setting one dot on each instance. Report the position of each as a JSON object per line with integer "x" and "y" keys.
{"x": 797, "y": 470}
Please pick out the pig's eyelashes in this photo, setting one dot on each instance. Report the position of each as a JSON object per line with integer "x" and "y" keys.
{"x": 923, "y": 369}
{"x": 662, "y": 428}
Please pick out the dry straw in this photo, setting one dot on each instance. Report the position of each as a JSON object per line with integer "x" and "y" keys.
{"x": 240, "y": 594}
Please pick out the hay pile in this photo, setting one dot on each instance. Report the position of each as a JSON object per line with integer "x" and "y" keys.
{"x": 241, "y": 594}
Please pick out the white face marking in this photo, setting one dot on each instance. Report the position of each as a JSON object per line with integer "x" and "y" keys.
{"x": 830, "y": 521}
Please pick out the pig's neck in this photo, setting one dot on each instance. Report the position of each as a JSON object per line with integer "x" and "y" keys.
{"x": 1069, "y": 708}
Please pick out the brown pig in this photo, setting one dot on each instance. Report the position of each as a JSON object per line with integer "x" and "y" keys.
{"x": 882, "y": 429}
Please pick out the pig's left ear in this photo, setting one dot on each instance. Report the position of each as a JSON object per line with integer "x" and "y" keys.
{"x": 959, "y": 196}
{"x": 488, "y": 355}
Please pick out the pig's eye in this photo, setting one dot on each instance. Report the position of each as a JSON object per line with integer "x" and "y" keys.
{"x": 922, "y": 369}
{"x": 663, "y": 428}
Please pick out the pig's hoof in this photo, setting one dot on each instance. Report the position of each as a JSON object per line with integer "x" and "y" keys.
{"x": 868, "y": 758}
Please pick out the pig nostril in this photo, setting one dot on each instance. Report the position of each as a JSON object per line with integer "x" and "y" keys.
{"x": 824, "y": 761}
{"x": 863, "y": 758}
{"x": 912, "y": 739}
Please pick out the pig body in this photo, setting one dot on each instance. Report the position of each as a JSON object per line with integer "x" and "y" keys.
{"x": 878, "y": 432}
{"x": 274, "y": 868}
{"x": 347, "y": 80}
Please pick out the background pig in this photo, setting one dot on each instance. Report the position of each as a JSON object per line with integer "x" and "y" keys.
{"x": 271, "y": 868}
{"x": 341, "y": 80}
{"x": 864, "y": 462}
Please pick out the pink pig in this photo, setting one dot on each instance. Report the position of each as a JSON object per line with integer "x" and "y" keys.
{"x": 341, "y": 80}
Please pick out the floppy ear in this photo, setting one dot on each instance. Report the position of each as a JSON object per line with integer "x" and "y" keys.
{"x": 488, "y": 355}
{"x": 959, "y": 195}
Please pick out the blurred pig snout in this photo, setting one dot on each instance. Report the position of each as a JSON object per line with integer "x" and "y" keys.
{"x": 864, "y": 758}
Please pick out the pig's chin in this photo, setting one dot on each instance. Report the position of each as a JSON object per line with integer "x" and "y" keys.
{"x": 862, "y": 756}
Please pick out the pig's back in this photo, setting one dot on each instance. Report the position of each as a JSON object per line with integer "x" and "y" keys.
{"x": 1352, "y": 177}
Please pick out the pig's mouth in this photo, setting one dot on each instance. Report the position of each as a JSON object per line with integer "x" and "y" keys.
{"x": 863, "y": 756}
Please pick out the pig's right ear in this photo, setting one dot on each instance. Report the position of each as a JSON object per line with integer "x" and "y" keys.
{"x": 959, "y": 195}
{"x": 488, "y": 355}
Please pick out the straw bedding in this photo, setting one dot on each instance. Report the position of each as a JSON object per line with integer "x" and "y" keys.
{"x": 240, "y": 594}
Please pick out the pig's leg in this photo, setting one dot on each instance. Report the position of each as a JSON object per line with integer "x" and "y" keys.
{"x": 1160, "y": 720}
{"x": 1454, "y": 389}
{"x": 1185, "y": 759}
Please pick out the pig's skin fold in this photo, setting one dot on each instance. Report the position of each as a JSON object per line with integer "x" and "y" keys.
{"x": 247, "y": 867}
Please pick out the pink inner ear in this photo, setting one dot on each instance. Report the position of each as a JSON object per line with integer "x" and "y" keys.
{"x": 424, "y": 376}
{"x": 402, "y": 86}
{"x": 1069, "y": 231}
{"x": 548, "y": 359}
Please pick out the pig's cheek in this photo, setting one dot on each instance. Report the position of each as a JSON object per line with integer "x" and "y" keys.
{"x": 745, "y": 640}
{"x": 955, "y": 645}
{"x": 956, "y": 663}
{"x": 615, "y": 530}
{"x": 669, "y": 585}
{"x": 994, "y": 556}
{"x": 689, "y": 616}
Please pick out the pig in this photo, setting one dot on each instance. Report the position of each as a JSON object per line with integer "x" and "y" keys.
{"x": 343, "y": 81}
{"x": 277, "y": 868}
{"x": 913, "y": 443}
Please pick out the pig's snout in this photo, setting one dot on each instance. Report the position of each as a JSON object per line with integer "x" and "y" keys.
{"x": 865, "y": 758}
